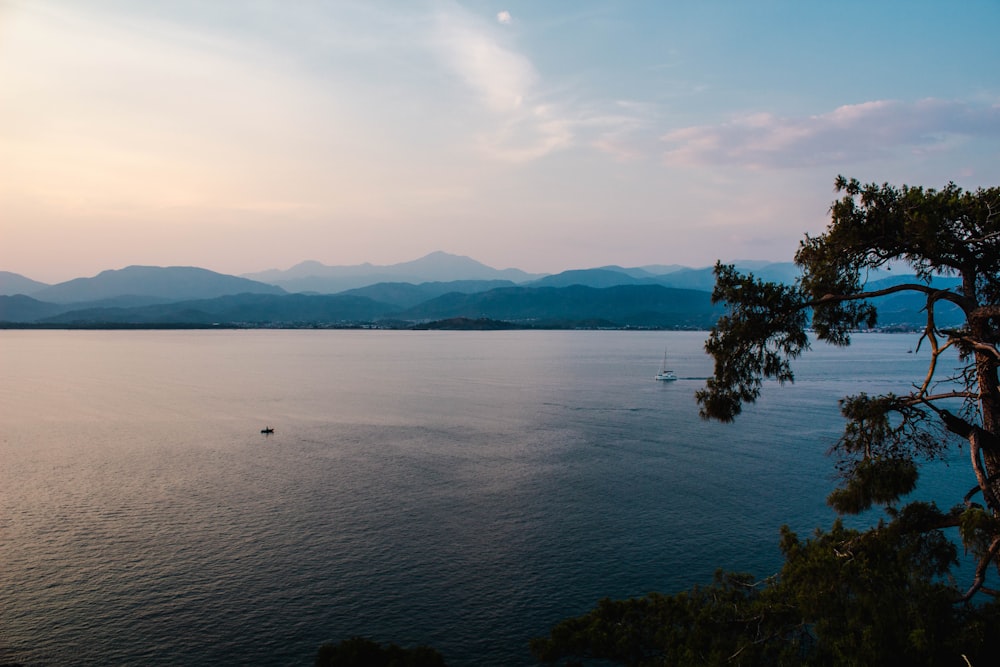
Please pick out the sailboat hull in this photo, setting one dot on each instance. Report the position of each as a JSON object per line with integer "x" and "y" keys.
{"x": 665, "y": 374}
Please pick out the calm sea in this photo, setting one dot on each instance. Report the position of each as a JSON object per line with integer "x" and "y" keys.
{"x": 464, "y": 490}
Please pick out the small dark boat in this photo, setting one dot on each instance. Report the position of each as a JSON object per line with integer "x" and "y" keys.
{"x": 267, "y": 430}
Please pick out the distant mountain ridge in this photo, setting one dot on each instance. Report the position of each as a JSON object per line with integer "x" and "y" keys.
{"x": 605, "y": 277}
{"x": 619, "y": 306}
{"x": 610, "y": 296}
{"x": 312, "y": 276}
{"x": 18, "y": 308}
{"x": 441, "y": 267}
{"x": 15, "y": 283}
{"x": 173, "y": 283}
{"x": 236, "y": 309}
{"x": 406, "y": 295}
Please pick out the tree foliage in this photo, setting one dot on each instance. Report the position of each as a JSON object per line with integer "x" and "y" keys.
{"x": 843, "y": 597}
{"x": 884, "y": 595}
{"x": 362, "y": 652}
{"x": 949, "y": 232}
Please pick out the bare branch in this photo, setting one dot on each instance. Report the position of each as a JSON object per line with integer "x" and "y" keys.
{"x": 967, "y": 500}
{"x": 975, "y": 449}
{"x": 986, "y": 237}
{"x": 940, "y": 397}
{"x": 974, "y": 344}
{"x": 980, "y": 578}
{"x": 936, "y": 349}
{"x": 933, "y": 293}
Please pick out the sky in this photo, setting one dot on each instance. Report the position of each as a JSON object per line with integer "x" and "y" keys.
{"x": 244, "y": 135}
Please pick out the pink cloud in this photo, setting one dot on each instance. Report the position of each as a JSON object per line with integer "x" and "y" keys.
{"x": 856, "y": 133}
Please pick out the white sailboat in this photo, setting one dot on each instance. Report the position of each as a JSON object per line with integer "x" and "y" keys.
{"x": 666, "y": 374}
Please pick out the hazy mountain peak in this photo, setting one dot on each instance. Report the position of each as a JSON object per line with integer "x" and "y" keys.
{"x": 15, "y": 283}
{"x": 173, "y": 282}
{"x": 438, "y": 266}
{"x": 603, "y": 277}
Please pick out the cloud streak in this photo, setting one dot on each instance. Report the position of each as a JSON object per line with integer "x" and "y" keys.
{"x": 526, "y": 122}
{"x": 501, "y": 77}
{"x": 850, "y": 133}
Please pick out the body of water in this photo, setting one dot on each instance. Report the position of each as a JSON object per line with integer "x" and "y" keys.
{"x": 464, "y": 490}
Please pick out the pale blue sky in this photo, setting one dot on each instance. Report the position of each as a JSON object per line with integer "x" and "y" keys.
{"x": 245, "y": 135}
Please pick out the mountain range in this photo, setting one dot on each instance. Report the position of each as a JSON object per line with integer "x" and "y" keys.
{"x": 439, "y": 266}
{"x": 438, "y": 287}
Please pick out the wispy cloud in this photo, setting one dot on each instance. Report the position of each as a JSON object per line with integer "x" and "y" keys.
{"x": 854, "y": 133}
{"x": 529, "y": 135}
{"x": 624, "y": 132}
{"x": 522, "y": 125}
{"x": 529, "y": 118}
{"x": 500, "y": 76}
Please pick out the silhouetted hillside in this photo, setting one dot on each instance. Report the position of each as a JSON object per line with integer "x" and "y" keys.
{"x": 129, "y": 297}
{"x": 257, "y": 309}
{"x": 175, "y": 283}
{"x": 15, "y": 283}
{"x": 591, "y": 278}
{"x": 405, "y": 295}
{"x": 637, "y": 305}
{"x": 436, "y": 267}
{"x": 704, "y": 278}
{"x": 20, "y": 308}
{"x": 623, "y": 305}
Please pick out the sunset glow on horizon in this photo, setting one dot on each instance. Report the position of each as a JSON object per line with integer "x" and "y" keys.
{"x": 544, "y": 136}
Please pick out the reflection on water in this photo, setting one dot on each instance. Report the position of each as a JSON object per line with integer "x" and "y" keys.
{"x": 460, "y": 489}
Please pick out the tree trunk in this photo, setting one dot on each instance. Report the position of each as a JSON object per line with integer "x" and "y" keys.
{"x": 980, "y": 329}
